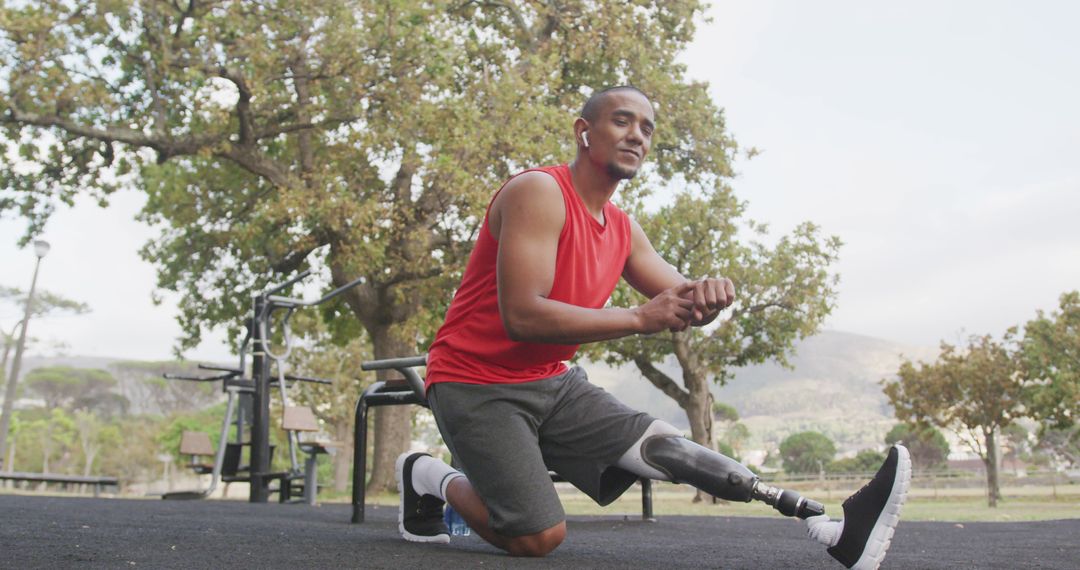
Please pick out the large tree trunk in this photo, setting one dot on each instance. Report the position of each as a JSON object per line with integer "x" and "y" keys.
{"x": 343, "y": 434}
{"x": 993, "y": 487}
{"x": 699, "y": 412}
{"x": 393, "y": 428}
{"x": 698, "y": 406}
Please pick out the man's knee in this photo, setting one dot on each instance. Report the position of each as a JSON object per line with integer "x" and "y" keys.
{"x": 539, "y": 544}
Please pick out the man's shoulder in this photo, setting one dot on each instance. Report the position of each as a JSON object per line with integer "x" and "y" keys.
{"x": 534, "y": 185}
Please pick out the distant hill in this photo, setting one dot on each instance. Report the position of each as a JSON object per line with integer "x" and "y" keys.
{"x": 833, "y": 387}
{"x": 142, "y": 382}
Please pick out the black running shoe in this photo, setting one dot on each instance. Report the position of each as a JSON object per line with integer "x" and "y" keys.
{"x": 420, "y": 518}
{"x": 872, "y": 513}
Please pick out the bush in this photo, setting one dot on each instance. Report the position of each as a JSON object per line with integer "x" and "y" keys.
{"x": 866, "y": 461}
{"x": 807, "y": 452}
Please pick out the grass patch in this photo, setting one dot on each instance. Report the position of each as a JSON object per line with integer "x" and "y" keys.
{"x": 952, "y": 505}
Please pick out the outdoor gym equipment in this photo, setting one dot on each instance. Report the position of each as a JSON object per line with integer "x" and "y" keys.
{"x": 265, "y": 304}
{"x": 238, "y": 412}
{"x": 257, "y": 389}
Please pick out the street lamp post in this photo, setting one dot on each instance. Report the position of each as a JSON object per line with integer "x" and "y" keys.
{"x": 40, "y": 249}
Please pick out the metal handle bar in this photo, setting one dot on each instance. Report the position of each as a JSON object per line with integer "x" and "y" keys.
{"x": 168, "y": 376}
{"x": 279, "y": 301}
{"x": 405, "y": 366}
{"x": 306, "y": 379}
{"x": 394, "y": 363}
{"x": 219, "y": 368}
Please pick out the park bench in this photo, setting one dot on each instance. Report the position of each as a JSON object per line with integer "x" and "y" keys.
{"x": 98, "y": 482}
{"x": 300, "y": 419}
{"x": 197, "y": 445}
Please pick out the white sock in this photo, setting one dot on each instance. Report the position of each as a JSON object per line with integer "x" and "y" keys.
{"x": 823, "y": 530}
{"x": 431, "y": 476}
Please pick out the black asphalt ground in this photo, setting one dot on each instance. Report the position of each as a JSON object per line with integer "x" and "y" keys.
{"x": 63, "y": 532}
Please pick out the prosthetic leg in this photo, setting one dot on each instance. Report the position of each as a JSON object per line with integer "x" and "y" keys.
{"x": 683, "y": 461}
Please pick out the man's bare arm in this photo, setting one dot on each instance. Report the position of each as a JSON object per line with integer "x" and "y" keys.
{"x": 526, "y": 219}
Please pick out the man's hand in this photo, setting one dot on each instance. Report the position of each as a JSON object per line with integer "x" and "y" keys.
{"x": 671, "y": 310}
{"x": 710, "y": 296}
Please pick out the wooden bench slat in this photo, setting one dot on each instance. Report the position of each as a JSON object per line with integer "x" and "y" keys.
{"x": 195, "y": 443}
{"x": 299, "y": 418}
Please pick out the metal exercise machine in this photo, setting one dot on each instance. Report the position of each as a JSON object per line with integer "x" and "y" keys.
{"x": 249, "y": 408}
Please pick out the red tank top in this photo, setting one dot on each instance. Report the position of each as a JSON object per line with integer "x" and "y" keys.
{"x": 472, "y": 346}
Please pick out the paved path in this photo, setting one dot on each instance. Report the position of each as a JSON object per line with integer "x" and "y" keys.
{"x": 64, "y": 532}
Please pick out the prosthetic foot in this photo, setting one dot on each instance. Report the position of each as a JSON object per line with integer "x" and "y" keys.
{"x": 872, "y": 513}
{"x": 684, "y": 461}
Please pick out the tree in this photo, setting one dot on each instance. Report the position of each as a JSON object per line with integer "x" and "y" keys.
{"x": 807, "y": 452}
{"x": 1050, "y": 356}
{"x": 926, "y": 445}
{"x": 360, "y": 136}
{"x": 48, "y": 440}
{"x": 44, "y": 303}
{"x": 77, "y": 389}
{"x": 977, "y": 389}
{"x": 724, "y": 412}
{"x": 783, "y": 293}
{"x": 93, "y": 434}
{"x": 1062, "y": 444}
{"x": 151, "y": 393}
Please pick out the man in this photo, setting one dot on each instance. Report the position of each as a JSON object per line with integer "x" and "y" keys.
{"x": 549, "y": 254}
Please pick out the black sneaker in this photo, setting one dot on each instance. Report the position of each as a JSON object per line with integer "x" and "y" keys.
{"x": 872, "y": 513}
{"x": 420, "y": 518}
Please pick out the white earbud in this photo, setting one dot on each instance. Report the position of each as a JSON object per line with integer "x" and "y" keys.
{"x": 585, "y": 137}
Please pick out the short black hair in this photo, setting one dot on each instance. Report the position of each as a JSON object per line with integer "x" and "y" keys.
{"x": 592, "y": 106}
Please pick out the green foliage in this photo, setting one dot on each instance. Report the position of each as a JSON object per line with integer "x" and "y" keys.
{"x": 927, "y": 446}
{"x": 806, "y": 452}
{"x": 1050, "y": 357}
{"x": 726, "y": 449}
{"x": 208, "y": 421}
{"x": 865, "y": 461}
{"x": 724, "y": 412}
{"x": 77, "y": 389}
{"x": 44, "y": 441}
{"x": 736, "y": 436}
{"x": 1061, "y": 444}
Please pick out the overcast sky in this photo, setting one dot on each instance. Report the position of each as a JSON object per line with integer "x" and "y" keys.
{"x": 939, "y": 140}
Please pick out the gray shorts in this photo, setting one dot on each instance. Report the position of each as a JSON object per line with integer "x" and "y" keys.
{"x": 505, "y": 437}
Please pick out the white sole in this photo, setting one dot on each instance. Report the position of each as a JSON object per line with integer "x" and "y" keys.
{"x": 399, "y": 470}
{"x": 881, "y": 537}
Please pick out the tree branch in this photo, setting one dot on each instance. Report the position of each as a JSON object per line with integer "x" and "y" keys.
{"x": 256, "y": 164}
{"x": 754, "y": 309}
{"x": 165, "y": 148}
{"x": 662, "y": 381}
{"x": 243, "y": 104}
